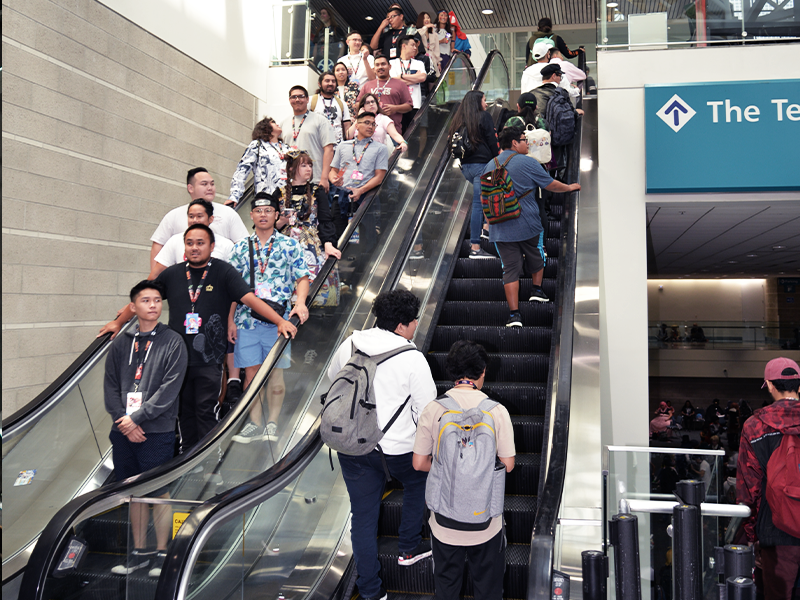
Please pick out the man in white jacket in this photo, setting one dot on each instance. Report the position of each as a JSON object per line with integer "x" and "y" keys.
{"x": 404, "y": 375}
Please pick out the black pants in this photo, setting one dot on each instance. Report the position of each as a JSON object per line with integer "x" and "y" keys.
{"x": 487, "y": 565}
{"x": 198, "y": 398}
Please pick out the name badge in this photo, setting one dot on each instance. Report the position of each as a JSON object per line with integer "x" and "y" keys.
{"x": 192, "y": 323}
{"x": 133, "y": 402}
{"x": 392, "y": 52}
{"x": 357, "y": 176}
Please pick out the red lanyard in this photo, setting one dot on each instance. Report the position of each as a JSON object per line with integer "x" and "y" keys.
{"x": 466, "y": 382}
{"x": 404, "y": 68}
{"x": 360, "y": 158}
{"x": 380, "y": 91}
{"x": 296, "y": 132}
{"x": 350, "y": 61}
{"x": 280, "y": 154}
{"x": 195, "y": 294}
{"x": 140, "y": 363}
{"x": 262, "y": 265}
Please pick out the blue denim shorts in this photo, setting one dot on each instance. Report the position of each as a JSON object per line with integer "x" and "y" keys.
{"x": 253, "y": 345}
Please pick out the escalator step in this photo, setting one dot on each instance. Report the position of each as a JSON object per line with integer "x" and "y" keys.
{"x": 492, "y": 289}
{"x": 491, "y": 267}
{"x": 518, "y": 398}
{"x": 495, "y": 313}
{"x": 96, "y": 582}
{"x": 554, "y": 229}
{"x": 524, "y": 479}
{"x": 519, "y": 513}
{"x": 528, "y": 433}
{"x": 504, "y": 366}
{"x": 494, "y": 339}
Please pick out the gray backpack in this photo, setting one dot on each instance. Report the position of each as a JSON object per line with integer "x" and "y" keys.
{"x": 349, "y": 414}
{"x": 466, "y": 483}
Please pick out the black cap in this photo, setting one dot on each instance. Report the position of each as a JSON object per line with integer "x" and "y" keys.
{"x": 265, "y": 199}
{"x": 550, "y": 70}
{"x": 526, "y": 99}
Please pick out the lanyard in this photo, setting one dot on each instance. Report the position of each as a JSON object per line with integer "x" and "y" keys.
{"x": 360, "y": 158}
{"x": 195, "y": 294}
{"x": 139, "y": 362}
{"x": 466, "y": 382}
{"x": 404, "y": 68}
{"x": 296, "y": 132}
{"x": 358, "y": 64}
{"x": 277, "y": 149}
{"x": 262, "y": 265}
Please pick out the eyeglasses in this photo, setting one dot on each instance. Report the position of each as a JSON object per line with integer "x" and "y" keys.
{"x": 297, "y": 97}
{"x": 523, "y": 139}
{"x": 368, "y": 123}
{"x": 263, "y": 211}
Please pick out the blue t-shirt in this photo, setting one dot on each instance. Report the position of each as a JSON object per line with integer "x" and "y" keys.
{"x": 527, "y": 174}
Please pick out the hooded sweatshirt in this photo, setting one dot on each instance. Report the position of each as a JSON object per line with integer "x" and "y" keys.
{"x": 761, "y": 435}
{"x": 162, "y": 377}
{"x": 404, "y": 375}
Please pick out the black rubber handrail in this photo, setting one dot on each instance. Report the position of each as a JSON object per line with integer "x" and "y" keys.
{"x": 43, "y": 555}
{"x": 540, "y": 565}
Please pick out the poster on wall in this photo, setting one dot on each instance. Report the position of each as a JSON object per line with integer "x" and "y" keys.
{"x": 722, "y": 137}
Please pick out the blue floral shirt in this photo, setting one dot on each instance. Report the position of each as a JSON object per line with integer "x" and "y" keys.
{"x": 285, "y": 266}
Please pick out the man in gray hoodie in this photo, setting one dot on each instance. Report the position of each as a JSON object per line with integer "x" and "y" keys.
{"x": 144, "y": 373}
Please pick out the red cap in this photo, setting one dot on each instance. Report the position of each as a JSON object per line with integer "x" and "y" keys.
{"x": 776, "y": 367}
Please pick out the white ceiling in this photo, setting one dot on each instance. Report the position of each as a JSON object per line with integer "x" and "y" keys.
{"x": 732, "y": 239}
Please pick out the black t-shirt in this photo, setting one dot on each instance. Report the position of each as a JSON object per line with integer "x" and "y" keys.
{"x": 488, "y": 148}
{"x": 222, "y": 286}
{"x": 390, "y": 39}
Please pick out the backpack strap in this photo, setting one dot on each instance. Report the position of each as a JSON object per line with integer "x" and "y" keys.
{"x": 449, "y": 403}
{"x": 395, "y": 415}
{"x": 252, "y": 265}
{"x": 487, "y": 404}
{"x": 382, "y": 358}
{"x": 314, "y": 99}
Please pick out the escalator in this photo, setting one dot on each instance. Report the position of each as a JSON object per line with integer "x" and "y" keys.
{"x": 286, "y": 533}
{"x": 97, "y": 523}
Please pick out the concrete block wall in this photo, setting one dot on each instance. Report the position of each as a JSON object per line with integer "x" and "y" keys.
{"x": 101, "y": 120}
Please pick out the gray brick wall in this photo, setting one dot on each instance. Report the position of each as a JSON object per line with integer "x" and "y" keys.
{"x": 101, "y": 121}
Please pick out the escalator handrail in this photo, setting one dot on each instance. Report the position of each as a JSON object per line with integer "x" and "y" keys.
{"x": 43, "y": 555}
{"x": 540, "y": 565}
{"x": 248, "y": 494}
{"x": 192, "y": 535}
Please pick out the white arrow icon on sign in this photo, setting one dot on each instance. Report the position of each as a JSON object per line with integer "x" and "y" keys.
{"x": 676, "y": 113}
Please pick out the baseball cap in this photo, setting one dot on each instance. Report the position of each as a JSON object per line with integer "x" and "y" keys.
{"x": 265, "y": 199}
{"x": 550, "y": 70}
{"x": 541, "y": 47}
{"x": 780, "y": 368}
{"x": 526, "y": 99}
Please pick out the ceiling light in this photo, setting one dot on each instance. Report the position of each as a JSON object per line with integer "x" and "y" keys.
{"x": 612, "y": 4}
{"x": 368, "y": 18}
{"x": 732, "y": 262}
{"x": 487, "y": 11}
{"x": 779, "y": 247}
{"x": 752, "y": 255}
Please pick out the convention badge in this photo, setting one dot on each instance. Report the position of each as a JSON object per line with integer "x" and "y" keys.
{"x": 192, "y": 323}
{"x": 392, "y": 52}
{"x": 133, "y": 402}
{"x": 357, "y": 176}
{"x": 25, "y": 477}
{"x": 411, "y": 91}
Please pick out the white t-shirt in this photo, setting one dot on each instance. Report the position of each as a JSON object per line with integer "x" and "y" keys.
{"x": 329, "y": 108}
{"x": 532, "y": 78}
{"x": 227, "y": 223}
{"x": 444, "y": 41}
{"x": 400, "y": 67}
{"x": 173, "y": 251}
{"x": 355, "y": 66}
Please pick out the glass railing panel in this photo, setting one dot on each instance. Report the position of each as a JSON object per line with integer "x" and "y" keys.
{"x": 59, "y": 452}
{"x": 717, "y": 335}
{"x": 651, "y": 474}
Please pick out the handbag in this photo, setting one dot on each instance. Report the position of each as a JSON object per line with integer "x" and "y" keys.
{"x": 538, "y": 144}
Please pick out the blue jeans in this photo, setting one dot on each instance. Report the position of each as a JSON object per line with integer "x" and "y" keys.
{"x": 365, "y": 480}
{"x": 472, "y": 173}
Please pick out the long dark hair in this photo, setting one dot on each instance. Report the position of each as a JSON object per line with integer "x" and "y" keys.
{"x": 469, "y": 115}
{"x": 545, "y": 25}
{"x": 291, "y": 171}
{"x": 446, "y": 25}
{"x": 528, "y": 114}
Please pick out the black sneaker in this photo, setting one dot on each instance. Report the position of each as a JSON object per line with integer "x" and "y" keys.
{"x": 538, "y": 295}
{"x": 138, "y": 559}
{"x": 416, "y": 255}
{"x": 158, "y": 563}
{"x": 249, "y": 433}
{"x": 514, "y": 319}
{"x": 234, "y": 393}
{"x": 480, "y": 253}
{"x": 423, "y": 550}
{"x": 485, "y": 234}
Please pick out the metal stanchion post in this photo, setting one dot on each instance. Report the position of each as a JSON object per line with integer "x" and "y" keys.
{"x": 741, "y": 588}
{"x": 624, "y": 536}
{"x": 732, "y": 561}
{"x": 594, "y": 566}
{"x": 686, "y": 553}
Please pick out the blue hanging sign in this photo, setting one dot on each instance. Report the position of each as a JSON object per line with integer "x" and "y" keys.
{"x": 722, "y": 137}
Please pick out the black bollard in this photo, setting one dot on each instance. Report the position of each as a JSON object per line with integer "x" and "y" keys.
{"x": 739, "y": 561}
{"x": 624, "y": 536}
{"x": 595, "y": 571}
{"x": 741, "y": 588}
{"x": 686, "y": 553}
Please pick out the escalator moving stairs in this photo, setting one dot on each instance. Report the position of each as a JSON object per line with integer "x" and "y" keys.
{"x": 516, "y": 376}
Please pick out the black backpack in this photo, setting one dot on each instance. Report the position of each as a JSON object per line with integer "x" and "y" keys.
{"x": 560, "y": 117}
{"x": 460, "y": 145}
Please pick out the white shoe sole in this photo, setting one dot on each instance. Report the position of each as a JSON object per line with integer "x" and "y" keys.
{"x": 416, "y": 559}
{"x": 513, "y": 324}
{"x": 120, "y": 570}
{"x": 536, "y": 299}
{"x": 479, "y": 256}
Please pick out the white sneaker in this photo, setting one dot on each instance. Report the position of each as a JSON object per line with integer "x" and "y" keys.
{"x": 249, "y": 433}
{"x": 158, "y": 564}
{"x": 271, "y": 431}
{"x": 138, "y": 559}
